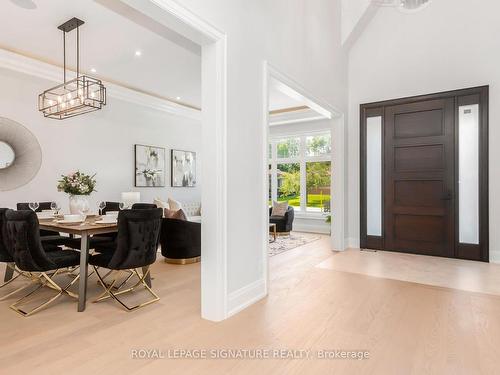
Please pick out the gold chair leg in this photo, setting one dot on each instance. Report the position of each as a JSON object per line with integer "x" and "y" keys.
{"x": 13, "y": 292}
{"x": 43, "y": 280}
{"x": 17, "y": 273}
{"x": 15, "y": 306}
{"x": 119, "y": 286}
{"x": 108, "y": 291}
{"x": 105, "y": 286}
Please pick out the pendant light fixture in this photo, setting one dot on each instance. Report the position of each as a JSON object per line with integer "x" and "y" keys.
{"x": 75, "y": 97}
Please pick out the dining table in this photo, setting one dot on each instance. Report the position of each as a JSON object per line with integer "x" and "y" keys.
{"x": 84, "y": 230}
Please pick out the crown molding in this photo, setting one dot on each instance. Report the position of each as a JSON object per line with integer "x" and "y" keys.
{"x": 294, "y": 116}
{"x": 27, "y": 65}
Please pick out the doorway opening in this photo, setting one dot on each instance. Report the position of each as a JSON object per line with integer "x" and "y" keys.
{"x": 303, "y": 166}
{"x": 176, "y": 23}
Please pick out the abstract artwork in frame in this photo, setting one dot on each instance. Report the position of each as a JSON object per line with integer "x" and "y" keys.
{"x": 149, "y": 166}
{"x": 183, "y": 168}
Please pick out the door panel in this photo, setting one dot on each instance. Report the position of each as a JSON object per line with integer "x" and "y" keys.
{"x": 419, "y": 177}
{"x": 419, "y": 158}
{"x": 418, "y": 193}
{"x": 419, "y": 124}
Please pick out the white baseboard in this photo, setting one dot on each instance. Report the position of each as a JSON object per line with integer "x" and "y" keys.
{"x": 311, "y": 225}
{"x": 246, "y": 296}
{"x": 495, "y": 257}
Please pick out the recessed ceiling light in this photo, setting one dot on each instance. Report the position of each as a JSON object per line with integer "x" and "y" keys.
{"x": 93, "y": 70}
{"x": 138, "y": 53}
{"x": 178, "y": 98}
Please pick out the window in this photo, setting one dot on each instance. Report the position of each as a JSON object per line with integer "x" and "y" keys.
{"x": 288, "y": 148}
{"x": 289, "y": 184}
{"x": 300, "y": 172}
{"x": 468, "y": 174}
{"x": 318, "y": 180}
{"x": 318, "y": 145}
{"x": 374, "y": 176}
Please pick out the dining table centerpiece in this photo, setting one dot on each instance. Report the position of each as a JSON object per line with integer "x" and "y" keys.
{"x": 79, "y": 186}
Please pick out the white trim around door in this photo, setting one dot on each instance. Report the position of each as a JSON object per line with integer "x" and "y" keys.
{"x": 339, "y": 158}
{"x": 214, "y": 291}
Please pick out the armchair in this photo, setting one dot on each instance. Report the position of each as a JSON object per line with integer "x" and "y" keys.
{"x": 180, "y": 241}
{"x": 283, "y": 224}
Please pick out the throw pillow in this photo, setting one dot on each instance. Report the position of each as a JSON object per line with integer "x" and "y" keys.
{"x": 174, "y": 205}
{"x": 279, "y": 209}
{"x": 174, "y": 214}
{"x": 160, "y": 204}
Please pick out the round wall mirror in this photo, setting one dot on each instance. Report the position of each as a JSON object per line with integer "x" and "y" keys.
{"x": 7, "y": 155}
{"x": 20, "y": 155}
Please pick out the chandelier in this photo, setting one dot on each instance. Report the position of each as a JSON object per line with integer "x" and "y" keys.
{"x": 405, "y": 6}
{"x": 75, "y": 97}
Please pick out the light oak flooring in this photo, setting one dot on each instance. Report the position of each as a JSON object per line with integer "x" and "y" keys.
{"x": 408, "y": 328}
{"x": 449, "y": 273}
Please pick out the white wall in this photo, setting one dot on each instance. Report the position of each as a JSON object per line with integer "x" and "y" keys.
{"x": 301, "y": 38}
{"x": 101, "y": 142}
{"x": 449, "y": 45}
{"x": 352, "y": 11}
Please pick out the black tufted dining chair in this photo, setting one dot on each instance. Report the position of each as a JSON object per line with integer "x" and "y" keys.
{"x": 111, "y": 206}
{"x": 11, "y": 273}
{"x": 30, "y": 256}
{"x": 47, "y": 236}
{"x": 143, "y": 206}
{"x": 136, "y": 246}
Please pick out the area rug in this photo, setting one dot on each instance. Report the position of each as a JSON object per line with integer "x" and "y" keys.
{"x": 286, "y": 243}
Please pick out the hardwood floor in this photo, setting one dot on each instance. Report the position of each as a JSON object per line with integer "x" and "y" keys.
{"x": 449, "y": 273}
{"x": 408, "y": 328}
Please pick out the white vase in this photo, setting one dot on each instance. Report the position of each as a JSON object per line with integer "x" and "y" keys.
{"x": 78, "y": 203}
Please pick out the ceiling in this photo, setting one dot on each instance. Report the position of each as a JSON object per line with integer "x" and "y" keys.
{"x": 109, "y": 41}
{"x": 169, "y": 66}
{"x": 280, "y": 98}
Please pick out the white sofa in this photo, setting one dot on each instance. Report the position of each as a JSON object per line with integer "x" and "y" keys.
{"x": 193, "y": 211}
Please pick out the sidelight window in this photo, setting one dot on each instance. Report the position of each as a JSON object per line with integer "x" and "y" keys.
{"x": 468, "y": 170}
{"x": 374, "y": 176}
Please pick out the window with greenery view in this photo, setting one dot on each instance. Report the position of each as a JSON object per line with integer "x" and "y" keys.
{"x": 288, "y": 183}
{"x": 288, "y": 148}
{"x": 300, "y": 172}
{"x": 318, "y": 145}
{"x": 318, "y": 178}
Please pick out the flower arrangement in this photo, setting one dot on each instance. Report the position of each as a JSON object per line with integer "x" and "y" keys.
{"x": 77, "y": 183}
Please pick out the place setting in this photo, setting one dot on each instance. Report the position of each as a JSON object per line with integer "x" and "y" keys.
{"x": 111, "y": 217}
{"x": 81, "y": 218}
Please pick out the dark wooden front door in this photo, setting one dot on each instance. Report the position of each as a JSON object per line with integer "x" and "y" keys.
{"x": 419, "y": 177}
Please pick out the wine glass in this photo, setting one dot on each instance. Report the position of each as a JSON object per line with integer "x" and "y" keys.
{"x": 34, "y": 206}
{"x": 55, "y": 208}
{"x": 122, "y": 206}
{"x": 102, "y": 206}
{"x": 84, "y": 210}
